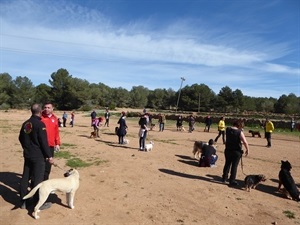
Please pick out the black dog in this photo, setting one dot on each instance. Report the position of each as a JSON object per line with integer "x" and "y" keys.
{"x": 287, "y": 180}
{"x": 254, "y": 133}
{"x": 251, "y": 181}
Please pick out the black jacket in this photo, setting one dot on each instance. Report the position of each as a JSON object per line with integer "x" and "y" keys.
{"x": 33, "y": 138}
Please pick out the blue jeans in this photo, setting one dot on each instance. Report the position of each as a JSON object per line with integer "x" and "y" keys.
{"x": 161, "y": 126}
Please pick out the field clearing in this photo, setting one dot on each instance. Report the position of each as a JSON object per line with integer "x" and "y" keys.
{"x": 165, "y": 186}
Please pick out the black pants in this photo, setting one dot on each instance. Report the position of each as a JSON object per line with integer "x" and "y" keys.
{"x": 232, "y": 159}
{"x": 268, "y": 137}
{"x": 48, "y": 165}
{"x": 221, "y": 132}
{"x": 33, "y": 170}
{"x": 143, "y": 140}
{"x": 106, "y": 122}
{"x": 64, "y": 122}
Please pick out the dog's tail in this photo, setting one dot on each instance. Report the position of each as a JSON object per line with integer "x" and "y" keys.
{"x": 32, "y": 192}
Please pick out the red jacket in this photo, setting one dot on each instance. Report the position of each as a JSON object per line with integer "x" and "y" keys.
{"x": 52, "y": 129}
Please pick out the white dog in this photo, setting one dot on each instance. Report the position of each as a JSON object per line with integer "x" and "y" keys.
{"x": 69, "y": 184}
{"x": 149, "y": 147}
{"x": 126, "y": 141}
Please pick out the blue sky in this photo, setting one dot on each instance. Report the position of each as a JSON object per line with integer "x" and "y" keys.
{"x": 251, "y": 45}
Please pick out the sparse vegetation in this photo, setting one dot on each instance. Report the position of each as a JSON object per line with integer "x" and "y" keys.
{"x": 289, "y": 214}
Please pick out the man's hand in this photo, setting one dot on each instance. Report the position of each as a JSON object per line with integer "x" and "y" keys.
{"x": 51, "y": 160}
{"x": 56, "y": 148}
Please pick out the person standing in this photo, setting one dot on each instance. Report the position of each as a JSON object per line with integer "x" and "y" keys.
{"x": 50, "y": 120}
{"x": 143, "y": 132}
{"x": 293, "y": 124}
{"x": 64, "y": 117}
{"x": 122, "y": 130}
{"x": 93, "y": 116}
{"x": 233, "y": 151}
{"x": 221, "y": 129}
{"x": 72, "y": 119}
{"x": 179, "y": 122}
{"x": 36, "y": 152}
{"x": 161, "y": 121}
{"x": 192, "y": 122}
{"x": 269, "y": 130}
{"x": 106, "y": 116}
{"x": 208, "y": 123}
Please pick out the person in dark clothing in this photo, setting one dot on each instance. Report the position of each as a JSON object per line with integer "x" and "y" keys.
{"x": 36, "y": 152}
{"x": 209, "y": 155}
{"x": 208, "y": 123}
{"x": 106, "y": 116}
{"x": 93, "y": 117}
{"x": 143, "y": 131}
{"x": 179, "y": 122}
{"x": 122, "y": 128}
{"x": 233, "y": 151}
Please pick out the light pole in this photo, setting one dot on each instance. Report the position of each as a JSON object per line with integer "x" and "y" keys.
{"x": 182, "y": 79}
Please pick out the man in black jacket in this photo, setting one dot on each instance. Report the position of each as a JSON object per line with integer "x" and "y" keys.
{"x": 33, "y": 138}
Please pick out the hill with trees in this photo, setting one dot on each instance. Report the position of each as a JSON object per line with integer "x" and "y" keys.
{"x": 70, "y": 93}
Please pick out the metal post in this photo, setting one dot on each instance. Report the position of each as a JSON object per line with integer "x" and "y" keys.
{"x": 199, "y": 103}
{"x": 182, "y": 79}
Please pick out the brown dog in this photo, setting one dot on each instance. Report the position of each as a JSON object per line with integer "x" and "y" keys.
{"x": 254, "y": 133}
{"x": 93, "y": 134}
{"x": 251, "y": 181}
{"x": 197, "y": 150}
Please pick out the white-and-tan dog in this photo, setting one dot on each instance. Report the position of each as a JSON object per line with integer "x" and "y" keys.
{"x": 149, "y": 147}
{"x": 69, "y": 184}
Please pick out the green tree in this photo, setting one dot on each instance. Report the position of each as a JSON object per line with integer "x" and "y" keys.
{"x": 158, "y": 99}
{"x": 7, "y": 89}
{"x": 139, "y": 97}
{"x": 61, "y": 89}
{"x": 287, "y": 104}
{"x": 225, "y": 100}
{"x": 24, "y": 92}
{"x": 121, "y": 98}
{"x": 249, "y": 103}
{"x": 265, "y": 104}
{"x": 238, "y": 100}
{"x": 42, "y": 93}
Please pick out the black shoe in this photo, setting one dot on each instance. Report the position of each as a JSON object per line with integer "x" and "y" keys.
{"x": 233, "y": 183}
{"x": 46, "y": 205}
{"x": 224, "y": 179}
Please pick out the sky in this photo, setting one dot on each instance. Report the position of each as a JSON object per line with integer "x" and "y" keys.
{"x": 250, "y": 45}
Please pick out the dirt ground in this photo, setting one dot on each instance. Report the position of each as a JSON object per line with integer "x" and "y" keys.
{"x": 164, "y": 186}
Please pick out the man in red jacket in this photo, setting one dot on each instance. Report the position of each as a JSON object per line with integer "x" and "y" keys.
{"x": 51, "y": 122}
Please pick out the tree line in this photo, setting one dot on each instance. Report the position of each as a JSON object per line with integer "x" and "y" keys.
{"x": 71, "y": 93}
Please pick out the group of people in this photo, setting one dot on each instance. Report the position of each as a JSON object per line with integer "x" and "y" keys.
{"x": 234, "y": 139}
{"x": 39, "y": 138}
{"x": 64, "y": 118}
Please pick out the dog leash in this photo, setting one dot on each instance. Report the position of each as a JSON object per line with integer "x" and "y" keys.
{"x": 242, "y": 165}
{"x": 55, "y": 165}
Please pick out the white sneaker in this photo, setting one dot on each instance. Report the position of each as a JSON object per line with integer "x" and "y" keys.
{"x": 213, "y": 165}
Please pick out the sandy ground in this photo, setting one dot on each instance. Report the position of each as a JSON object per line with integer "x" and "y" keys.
{"x": 164, "y": 186}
